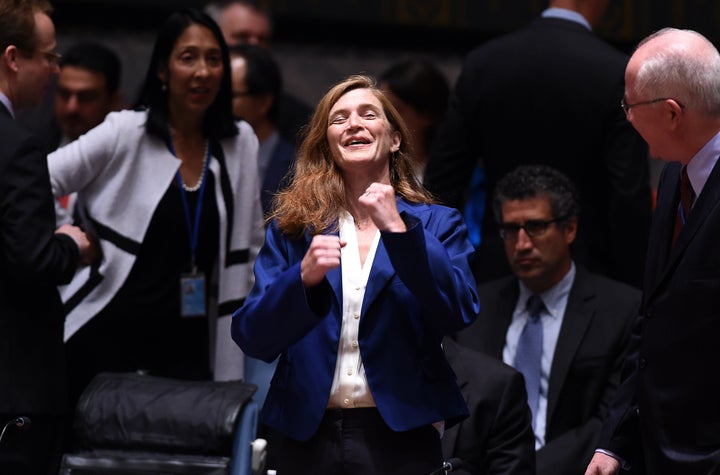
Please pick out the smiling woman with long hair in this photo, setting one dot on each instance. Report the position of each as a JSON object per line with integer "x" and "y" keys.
{"x": 359, "y": 278}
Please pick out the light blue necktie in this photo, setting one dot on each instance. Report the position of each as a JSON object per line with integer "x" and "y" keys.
{"x": 529, "y": 352}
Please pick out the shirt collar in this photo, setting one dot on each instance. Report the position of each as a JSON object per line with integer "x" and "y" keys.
{"x": 702, "y": 163}
{"x": 6, "y": 102}
{"x": 555, "y": 295}
{"x": 566, "y": 14}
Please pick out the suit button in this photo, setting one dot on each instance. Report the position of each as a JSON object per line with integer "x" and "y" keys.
{"x": 643, "y": 363}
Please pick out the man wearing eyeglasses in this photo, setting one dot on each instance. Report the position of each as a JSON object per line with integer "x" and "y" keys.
{"x": 34, "y": 259}
{"x": 564, "y": 328}
{"x": 667, "y": 415}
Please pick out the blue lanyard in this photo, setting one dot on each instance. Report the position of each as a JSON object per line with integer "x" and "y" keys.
{"x": 193, "y": 228}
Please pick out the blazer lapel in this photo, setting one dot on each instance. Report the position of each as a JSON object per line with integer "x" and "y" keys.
{"x": 579, "y": 313}
{"x": 380, "y": 274}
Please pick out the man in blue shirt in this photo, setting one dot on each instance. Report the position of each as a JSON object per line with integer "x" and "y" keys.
{"x": 570, "y": 343}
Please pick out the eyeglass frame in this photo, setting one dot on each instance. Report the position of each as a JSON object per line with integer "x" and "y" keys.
{"x": 543, "y": 224}
{"x": 52, "y": 57}
{"x": 626, "y": 107}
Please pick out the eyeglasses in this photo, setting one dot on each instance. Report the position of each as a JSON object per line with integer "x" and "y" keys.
{"x": 626, "y": 107}
{"x": 533, "y": 228}
{"x": 51, "y": 57}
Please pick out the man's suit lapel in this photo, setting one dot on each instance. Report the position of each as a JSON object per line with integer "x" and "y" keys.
{"x": 499, "y": 318}
{"x": 4, "y": 110}
{"x": 450, "y": 436}
{"x": 705, "y": 203}
{"x": 579, "y": 312}
{"x": 662, "y": 226}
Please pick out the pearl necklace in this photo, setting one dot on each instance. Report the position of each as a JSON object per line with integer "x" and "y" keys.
{"x": 197, "y": 185}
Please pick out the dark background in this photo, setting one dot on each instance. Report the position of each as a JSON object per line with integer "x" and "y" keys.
{"x": 318, "y": 42}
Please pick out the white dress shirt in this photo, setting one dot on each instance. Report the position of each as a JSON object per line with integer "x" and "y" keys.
{"x": 350, "y": 387}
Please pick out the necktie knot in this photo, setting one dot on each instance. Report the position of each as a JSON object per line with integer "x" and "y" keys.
{"x": 535, "y": 306}
{"x": 687, "y": 194}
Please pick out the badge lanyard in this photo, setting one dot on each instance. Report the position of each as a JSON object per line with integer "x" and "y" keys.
{"x": 193, "y": 227}
{"x": 192, "y": 286}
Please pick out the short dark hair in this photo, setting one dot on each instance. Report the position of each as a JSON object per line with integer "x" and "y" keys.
{"x": 96, "y": 58}
{"x": 262, "y": 74}
{"x": 533, "y": 181}
{"x": 422, "y": 86}
{"x": 17, "y": 24}
{"x": 219, "y": 122}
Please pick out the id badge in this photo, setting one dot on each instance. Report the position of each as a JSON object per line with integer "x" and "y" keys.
{"x": 192, "y": 295}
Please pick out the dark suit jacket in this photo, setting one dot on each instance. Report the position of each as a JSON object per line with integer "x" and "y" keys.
{"x": 586, "y": 366}
{"x": 550, "y": 93}
{"x": 674, "y": 387}
{"x": 497, "y": 438}
{"x": 275, "y": 179}
{"x": 33, "y": 261}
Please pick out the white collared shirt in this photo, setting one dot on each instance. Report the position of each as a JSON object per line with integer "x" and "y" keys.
{"x": 702, "y": 164}
{"x": 350, "y": 387}
{"x": 555, "y": 300}
{"x": 7, "y": 103}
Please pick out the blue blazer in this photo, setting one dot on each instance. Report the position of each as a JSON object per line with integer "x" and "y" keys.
{"x": 420, "y": 288}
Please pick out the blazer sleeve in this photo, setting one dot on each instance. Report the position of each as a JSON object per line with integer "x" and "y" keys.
{"x": 261, "y": 327}
{"x": 433, "y": 261}
{"x": 76, "y": 164}
{"x": 31, "y": 249}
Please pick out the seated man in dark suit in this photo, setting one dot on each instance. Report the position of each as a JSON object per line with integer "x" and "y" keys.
{"x": 565, "y": 329}
{"x": 497, "y": 438}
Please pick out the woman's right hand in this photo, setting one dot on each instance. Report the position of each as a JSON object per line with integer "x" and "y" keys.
{"x": 323, "y": 255}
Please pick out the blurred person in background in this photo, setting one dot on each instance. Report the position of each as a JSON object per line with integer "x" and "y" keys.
{"x": 87, "y": 90}
{"x": 245, "y": 21}
{"x": 257, "y": 84}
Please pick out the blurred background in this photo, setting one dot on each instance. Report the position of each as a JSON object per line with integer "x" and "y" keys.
{"x": 317, "y": 42}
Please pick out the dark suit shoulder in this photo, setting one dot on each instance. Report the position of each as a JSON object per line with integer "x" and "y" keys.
{"x": 613, "y": 292}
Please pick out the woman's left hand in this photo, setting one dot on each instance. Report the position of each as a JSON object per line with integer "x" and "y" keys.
{"x": 379, "y": 202}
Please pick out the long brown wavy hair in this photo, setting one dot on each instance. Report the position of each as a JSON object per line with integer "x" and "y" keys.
{"x": 315, "y": 196}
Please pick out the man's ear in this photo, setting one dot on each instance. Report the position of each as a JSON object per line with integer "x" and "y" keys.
{"x": 676, "y": 112}
{"x": 570, "y": 229}
{"x": 10, "y": 58}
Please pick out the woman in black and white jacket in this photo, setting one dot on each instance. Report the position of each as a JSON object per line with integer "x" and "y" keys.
{"x": 172, "y": 194}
